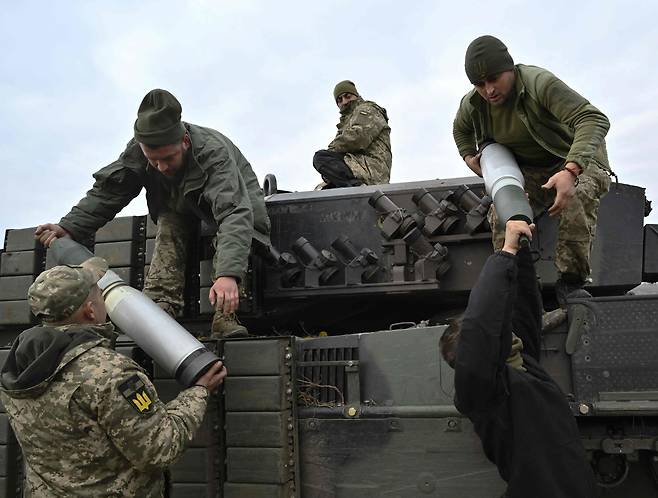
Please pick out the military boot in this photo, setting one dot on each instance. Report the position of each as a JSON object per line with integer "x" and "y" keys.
{"x": 565, "y": 288}
{"x": 226, "y": 326}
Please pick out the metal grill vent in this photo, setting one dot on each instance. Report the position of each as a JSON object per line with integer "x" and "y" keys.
{"x": 321, "y": 377}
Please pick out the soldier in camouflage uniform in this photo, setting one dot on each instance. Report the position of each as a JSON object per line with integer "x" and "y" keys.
{"x": 557, "y": 137}
{"x": 361, "y": 152}
{"x": 189, "y": 173}
{"x": 87, "y": 418}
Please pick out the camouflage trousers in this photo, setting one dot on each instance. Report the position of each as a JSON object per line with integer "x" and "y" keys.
{"x": 577, "y": 225}
{"x": 368, "y": 170}
{"x": 165, "y": 281}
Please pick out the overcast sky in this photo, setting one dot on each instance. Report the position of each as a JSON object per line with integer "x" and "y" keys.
{"x": 262, "y": 72}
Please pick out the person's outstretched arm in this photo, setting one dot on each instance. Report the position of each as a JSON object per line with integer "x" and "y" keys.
{"x": 526, "y": 322}
{"x": 486, "y": 330}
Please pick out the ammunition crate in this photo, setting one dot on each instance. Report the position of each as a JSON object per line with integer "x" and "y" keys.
{"x": 122, "y": 229}
{"x": 118, "y": 254}
{"x": 15, "y": 288}
{"x": 15, "y": 313}
{"x": 21, "y": 239}
{"x": 260, "y": 393}
{"x": 20, "y": 263}
{"x": 198, "y": 471}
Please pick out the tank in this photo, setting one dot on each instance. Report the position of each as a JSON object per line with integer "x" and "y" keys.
{"x": 341, "y": 390}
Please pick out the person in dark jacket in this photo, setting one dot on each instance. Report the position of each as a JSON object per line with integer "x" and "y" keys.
{"x": 189, "y": 173}
{"x": 518, "y": 411}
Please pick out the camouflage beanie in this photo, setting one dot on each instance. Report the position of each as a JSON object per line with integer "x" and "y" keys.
{"x": 158, "y": 119}
{"x": 485, "y": 57}
{"x": 345, "y": 86}
{"x": 57, "y": 293}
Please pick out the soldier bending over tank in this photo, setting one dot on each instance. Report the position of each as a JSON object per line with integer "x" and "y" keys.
{"x": 361, "y": 152}
{"x": 557, "y": 137}
{"x": 518, "y": 411}
{"x": 87, "y": 418}
{"x": 189, "y": 173}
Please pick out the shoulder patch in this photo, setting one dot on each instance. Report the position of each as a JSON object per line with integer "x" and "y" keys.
{"x": 137, "y": 396}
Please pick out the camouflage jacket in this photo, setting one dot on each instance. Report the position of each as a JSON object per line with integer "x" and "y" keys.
{"x": 219, "y": 187}
{"x": 365, "y": 138}
{"x": 94, "y": 426}
{"x": 560, "y": 120}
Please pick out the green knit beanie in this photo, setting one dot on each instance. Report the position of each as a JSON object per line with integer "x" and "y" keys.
{"x": 485, "y": 57}
{"x": 158, "y": 119}
{"x": 345, "y": 86}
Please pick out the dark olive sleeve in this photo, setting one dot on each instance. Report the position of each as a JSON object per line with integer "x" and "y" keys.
{"x": 114, "y": 187}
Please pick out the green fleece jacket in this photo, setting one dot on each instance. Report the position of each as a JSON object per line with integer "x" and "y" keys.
{"x": 220, "y": 188}
{"x": 559, "y": 119}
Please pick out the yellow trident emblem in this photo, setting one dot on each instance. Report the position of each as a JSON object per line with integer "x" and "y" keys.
{"x": 143, "y": 401}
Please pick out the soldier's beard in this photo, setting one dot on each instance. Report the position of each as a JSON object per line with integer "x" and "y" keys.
{"x": 177, "y": 177}
{"x": 349, "y": 107}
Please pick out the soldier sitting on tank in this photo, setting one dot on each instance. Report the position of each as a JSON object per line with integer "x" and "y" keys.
{"x": 518, "y": 411}
{"x": 189, "y": 173}
{"x": 557, "y": 137}
{"x": 361, "y": 152}
{"x": 87, "y": 418}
